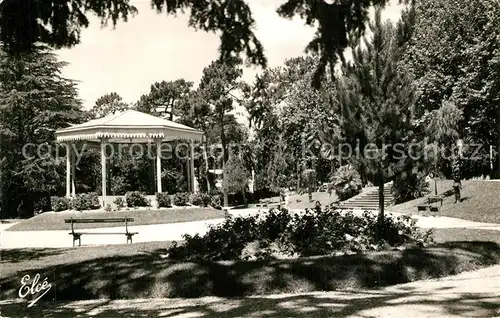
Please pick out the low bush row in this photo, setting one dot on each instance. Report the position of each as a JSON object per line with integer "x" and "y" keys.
{"x": 83, "y": 201}
{"x": 320, "y": 231}
{"x": 183, "y": 199}
{"x": 90, "y": 201}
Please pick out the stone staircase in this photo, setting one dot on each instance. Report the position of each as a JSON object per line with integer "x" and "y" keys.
{"x": 368, "y": 200}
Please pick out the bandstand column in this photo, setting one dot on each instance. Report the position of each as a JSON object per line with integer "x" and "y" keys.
{"x": 73, "y": 173}
{"x": 68, "y": 170}
{"x": 191, "y": 168}
{"x": 103, "y": 171}
{"x": 188, "y": 174}
{"x": 158, "y": 166}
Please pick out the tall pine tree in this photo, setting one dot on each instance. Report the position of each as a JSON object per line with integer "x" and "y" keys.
{"x": 377, "y": 100}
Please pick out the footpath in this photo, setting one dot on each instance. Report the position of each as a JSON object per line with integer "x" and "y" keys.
{"x": 174, "y": 231}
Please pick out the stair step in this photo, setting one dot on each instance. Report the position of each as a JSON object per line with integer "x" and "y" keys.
{"x": 366, "y": 202}
{"x": 358, "y": 208}
{"x": 369, "y": 200}
{"x": 364, "y": 205}
{"x": 376, "y": 192}
{"x": 370, "y": 197}
{"x": 373, "y": 197}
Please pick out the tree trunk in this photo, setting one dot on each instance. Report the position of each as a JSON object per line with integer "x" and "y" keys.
{"x": 498, "y": 162}
{"x": 435, "y": 186}
{"x": 224, "y": 157}
{"x": 381, "y": 207}
{"x": 498, "y": 145}
{"x": 224, "y": 191}
{"x": 298, "y": 177}
{"x": 206, "y": 164}
{"x": 498, "y": 155}
{"x": 2, "y": 159}
{"x": 245, "y": 203}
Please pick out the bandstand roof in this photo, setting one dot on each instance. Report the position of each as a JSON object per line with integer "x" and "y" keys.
{"x": 129, "y": 126}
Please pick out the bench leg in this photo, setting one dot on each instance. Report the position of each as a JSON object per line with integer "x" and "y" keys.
{"x": 129, "y": 238}
{"x": 77, "y": 237}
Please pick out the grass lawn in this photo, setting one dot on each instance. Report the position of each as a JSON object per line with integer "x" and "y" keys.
{"x": 55, "y": 220}
{"x": 481, "y": 202}
{"x": 467, "y": 235}
{"x": 142, "y": 271}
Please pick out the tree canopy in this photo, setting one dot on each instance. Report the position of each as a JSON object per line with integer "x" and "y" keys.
{"x": 58, "y": 23}
{"x": 108, "y": 104}
{"x": 35, "y": 100}
{"x": 454, "y": 54}
{"x": 166, "y": 99}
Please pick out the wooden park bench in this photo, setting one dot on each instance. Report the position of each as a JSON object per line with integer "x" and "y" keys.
{"x": 427, "y": 206}
{"x": 263, "y": 203}
{"x": 77, "y": 235}
{"x": 268, "y": 203}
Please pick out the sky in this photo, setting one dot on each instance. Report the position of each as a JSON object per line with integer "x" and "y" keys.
{"x": 153, "y": 47}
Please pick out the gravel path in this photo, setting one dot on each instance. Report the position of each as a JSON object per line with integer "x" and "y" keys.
{"x": 174, "y": 231}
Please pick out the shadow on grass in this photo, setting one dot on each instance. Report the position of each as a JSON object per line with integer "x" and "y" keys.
{"x": 332, "y": 305}
{"x": 22, "y": 255}
{"x": 151, "y": 275}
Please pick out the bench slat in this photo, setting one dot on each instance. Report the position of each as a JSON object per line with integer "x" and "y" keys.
{"x": 101, "y": 233}
{"x": 108, "y": 220}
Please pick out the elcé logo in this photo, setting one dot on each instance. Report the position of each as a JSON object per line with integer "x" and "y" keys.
{"x": 35, "y": 288}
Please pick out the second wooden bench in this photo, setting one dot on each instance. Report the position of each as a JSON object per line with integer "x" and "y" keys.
{"x": 78, "y": 234}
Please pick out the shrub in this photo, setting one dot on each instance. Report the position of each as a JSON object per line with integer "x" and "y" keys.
{"x": 321, "y": 231}
{"x": 85, "y": 201}
{"x": 326, "y": 231}
{"x": 346, "y": 182}
{"x": 136, "y": 199}
{"x": 206, "y": 199}
{"x": 316, "y": 232}
{"x": 196, "y": 199}
{"x": 119, "y": 185}
{"x": 274, "y": 224}
{"x": 119, "y": 203}
{"x": 215, "y": 202}
{"x": 43, "y": 204}
{"x": 163, "y": 200}
{"x": 235, "y": 175}
{"x": 409, "y": 186}
{"x": 224, "y": 241}
{"x": 181, "y": 198}
{"x": 214, "y": 191}
{"x": 59, "y": 203}
{"x": 397, "y": 231}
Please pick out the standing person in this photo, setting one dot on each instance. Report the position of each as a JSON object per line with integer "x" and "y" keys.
{"x": 457, "y": 186}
